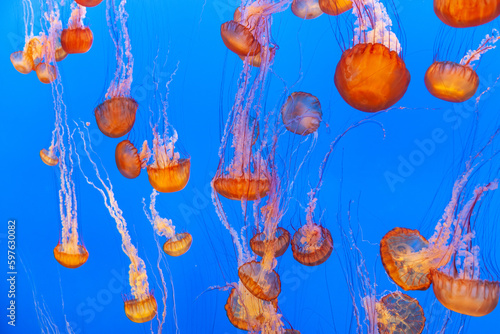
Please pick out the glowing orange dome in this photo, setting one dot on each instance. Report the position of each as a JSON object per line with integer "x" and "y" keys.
{"x": 466, "y": 13}
{"x": 178, "y": 244}
{"x": 141, "y": 310}
{"x": 335, "y": 7}
{"x": 46, "y": 73}
{"x": 127, "y": 159}
{"x": 170, "y": 178}
{"x": 116, "y": 116}
{"x": 239, "y": 188}
{"x": 239, "y": 39}
{"x": 395, "y": 244}
{"x": 77, "y": 40}
{"x": 370, "y": 77}
{"x": 312, "y": 248}
{"x": 280, "y": 244}
{"x": 88, "y": 3}
{"x": 399, "y": 313}
{"x": 263, "y": 284}
{"x": 69, "y": 260}
{"x": 22, "y": 62}
{"x": 451, "y": 81}
{"x": 473, "y": 297}
{"x": 48, "y": 158}
{"x": 306, "y": 9}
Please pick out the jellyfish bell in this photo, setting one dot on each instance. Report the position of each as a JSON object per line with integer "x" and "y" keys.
{"x": 72, "y": 257}
{"x": 178, "y": 245}
{"x": 399, "y": 313}
{"x": 474, "y": 297}
{"x": 76, "y": 40}
{"x": 115, "y": 117}
{"x": 334, "y": 7}
{"x": 279, "y": 243}
{"x": 239, "y": 39}
{"x": 141, "y": 310}
{"x": 371, "y": 77}
{"x": 312, "y": 244}
{"x": 127, "y": 159}
{"x": 301, "y": 113}
{"x": 22, "y": 62}
{"x": 46, "y": 73}
{"x": 88, "y": 3}
{"x": 263, "y": 283}
{"x": 60, "y": 54}
{"x": 48, "y": 157}
{"x": 466, "y": 13}
{"x": 451, "y": 81}
{"x": 240, "y": 188}
{"x": 306, "y": 9}
{"x": 171, "y": 177}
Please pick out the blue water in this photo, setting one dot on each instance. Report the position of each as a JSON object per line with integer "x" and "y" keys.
{"x": 313, "y": 300}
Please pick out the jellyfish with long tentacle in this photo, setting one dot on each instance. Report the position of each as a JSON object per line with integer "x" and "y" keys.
{"x": 306, "y": 9}
{"x": 458, "y": 82}
{"x": 77, "y": 38}
{"x": 141, "y": 306}
{"x": 371, "y": 76}
{"x": 115, "y": 116}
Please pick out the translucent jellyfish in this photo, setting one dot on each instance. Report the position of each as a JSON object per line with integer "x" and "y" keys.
{"x": 306, "y": 9}
{"x": 312, "y": 244}
{"x": 127, "y": 159}
{"x": 77, "y": 38}
{"x": 408, "y": 257}
{"x": 262, "y": 283}
{"x": 335, "y": 7}
{"x": 141, "y": 305}
{"x": 239, "y": 39}
{"x": 177, "y": 243}
{"x": 458, "y": 82}
{"x": 46, "y": 73}
{"x": 301, "y": 113}
{"x": 279, "y": 244}
{"x": 115, "y": 116}
{"x": 399, "y": 313}
{"x": 88, "y": 3}
{"x": 49, "y": 157}
{"x": 466, "y": 13}
{"x": 371, "y": 76}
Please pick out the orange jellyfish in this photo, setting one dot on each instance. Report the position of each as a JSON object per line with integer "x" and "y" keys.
{"x": 312, "y": 244}
{"x": 177, "y": 244}
{"x": 306, "y": 9}
{"x": 371, "y": 76}
{"x": 408, "y": 257}
{"x": 141, "y": 305}
{"x": 301, "y": 113}
{"x": 262, "y": 282}
{"x": 77, "y": 38}
{"x": 115, "y": 116}
{"x": 88, "y": 3}
{"x": 127, "y": 159}
{"x": 239, "y": 39}
{"x": 466, "y": 13}
{"x": 335, "y": 7}
{"x": 49, "y": 157}
{"x": 279, "y": 244}
{"x": 399, "y": 313}
{"x": 458, "y": 82}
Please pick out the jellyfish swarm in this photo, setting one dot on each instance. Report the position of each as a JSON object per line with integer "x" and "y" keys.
{"x": 88, "y": 3}
{"x": 115, "y": 116}
{"x": 371, "y": 76}
{"x": 301, "y": 113}
{"x": 177, "y": 244}
{"x": 466, "y": 13}
{"x": 77, "y": 38}
{"x": 306, "y": 9}
{"x": 458, "y": 82}
{"x": 335, "y": 7}
{"x": 399, "y": 313}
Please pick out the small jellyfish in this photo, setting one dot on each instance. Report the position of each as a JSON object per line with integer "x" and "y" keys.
{"x": 169, "y": 177}
{"x": 88, "y": 3}
{"x": 241, "y": 187}
{"x": 46, "y": 73}
{"x": 399, "y": 313}
{"x": 301, "y": 113}
{"x": 22, "y": 62}
{"x": 141, "y": 310}
{"x": 335, "y": 7}
{"x": 306, "y": 9}
{"x": 116, "y": 116}
{"x": 178, "y": 245}
{"x": 466, "y": 13}
{"x": 312, "y": 244}
{"x": 127, "y": 159}
{"x": 279, "y": 244}
{"x": 239, "y": 39}
{"x": 262, "y": 282}
{"x": 77, "y": 38}
{"x": 71, "y": 257}
{"x": 49, "y": 157}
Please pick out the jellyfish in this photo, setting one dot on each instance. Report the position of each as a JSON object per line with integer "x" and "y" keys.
{"x": 141, "y": 305}
{"x": 49, "y": 157}
{"x": 466, "y": 13}
{"x": 408, "y": 257}
{"x": 177, "y": 244}
{"x": 279, "y": 243}
{"x": 262, "y": 282}
{"x": 76, "y": 38}
{"x": 88, "y": 3}
{"x": 458, "y": 82}
{"x": 115, "y": 116}
{"x": 301, "y": 113}
{"x": 128, "y": 160}
{"x": 335, "y": 7}
{"x": 371, "y": 76}
{"x": 306, "y": 9}
{"x": 399, "y": 313}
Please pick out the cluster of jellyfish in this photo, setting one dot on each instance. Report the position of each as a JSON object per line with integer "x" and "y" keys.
{"x": 371, "y": 76}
